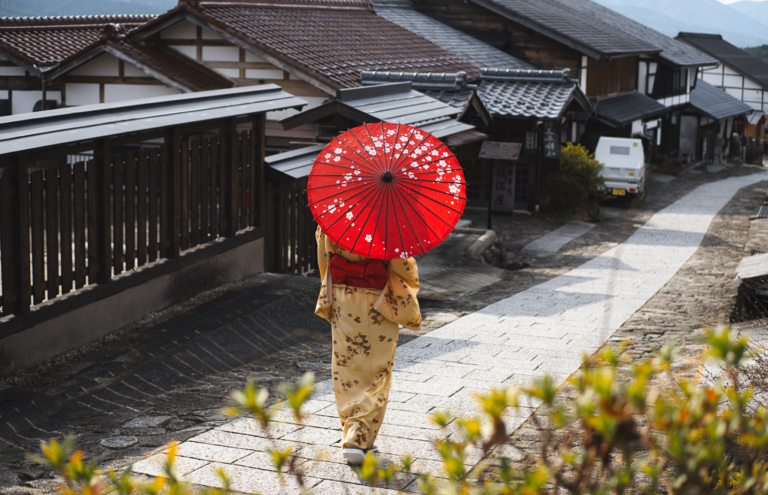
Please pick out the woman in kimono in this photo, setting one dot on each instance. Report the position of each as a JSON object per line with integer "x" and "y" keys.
{"x": 365, "y": 301}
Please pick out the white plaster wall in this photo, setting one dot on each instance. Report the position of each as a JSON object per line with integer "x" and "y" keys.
{"x": 221, "y": 53}
{"x": 133, "y": 71}
{"x": 263, "y": 74}
{"x": 736, "y": 93}
{"x": 748, "y": 83}
{"x": 12, "y": 71}
{"x": 732, "y": 81}
{"x": 713, "y": 79}
{"x": 122, "y": 92}
{"x": 103, "y": 65}
{"x": 232, "y": 73}
{"x": 189, "y": 51}
{"x": 182, "y": 30}
{"x": 24, "y": 101}
{"x": 752, "y": 95}
{"x": 82, "y": 94}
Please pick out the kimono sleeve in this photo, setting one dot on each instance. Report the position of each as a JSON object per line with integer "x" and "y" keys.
{"x": 400, "y": 303}
{"x": 325, "y": 250}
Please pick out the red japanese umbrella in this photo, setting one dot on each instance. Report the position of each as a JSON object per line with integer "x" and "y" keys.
{"x": 386, "y": 191}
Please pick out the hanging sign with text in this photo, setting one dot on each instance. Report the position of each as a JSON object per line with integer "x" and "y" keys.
{"x": 503, "y": 187}
{"x": 551, "y": 144}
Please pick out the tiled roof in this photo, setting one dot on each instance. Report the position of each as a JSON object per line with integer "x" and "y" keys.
{"x": 482, "y": 54}
{"x": 47, "y": 41}
{"x": 331, "y": 44}
{"x": 522, "y": 93}
{"x": 181, "y": 72}
{"x": 625, "y": 108}
{"x": 716, "y": 103}
{"x": 672, "y": 50}
{"x": 452, "y": 89}
{"x": 572, "y": 26}
{"x": 735, "y": 58}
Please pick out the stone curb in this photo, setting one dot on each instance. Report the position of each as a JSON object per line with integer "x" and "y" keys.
{"x": 487, "y": 238}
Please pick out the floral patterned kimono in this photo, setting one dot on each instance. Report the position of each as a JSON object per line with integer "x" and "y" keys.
{"x": 364, "y": 339}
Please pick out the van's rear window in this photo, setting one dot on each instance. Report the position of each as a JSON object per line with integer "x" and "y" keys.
{"x": 620, "y": 150}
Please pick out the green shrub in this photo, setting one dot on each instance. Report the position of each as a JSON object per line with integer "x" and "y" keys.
{"x": 573, "y": 189}
{"x": 754, "y": 154}
{"x": 638, "y": 437}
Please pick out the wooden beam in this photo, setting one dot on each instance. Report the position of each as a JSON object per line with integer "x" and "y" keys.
{"x": 212, "y": 64}
{"x": 110, "y": 80}
{"x": 296, "y": 88}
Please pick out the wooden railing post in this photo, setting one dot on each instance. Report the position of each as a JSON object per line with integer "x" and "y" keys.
{"x": 258, "y": 182}
{"x": 14, "y": 232}
{"x": 103, "y": 225}
{"x": 229, "y": 201}
{"x": 173, "y": 193}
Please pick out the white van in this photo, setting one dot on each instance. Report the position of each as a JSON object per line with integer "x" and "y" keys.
{"x": 623, "y": 162}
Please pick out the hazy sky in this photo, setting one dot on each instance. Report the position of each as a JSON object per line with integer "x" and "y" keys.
{"x": 731, "y": 1}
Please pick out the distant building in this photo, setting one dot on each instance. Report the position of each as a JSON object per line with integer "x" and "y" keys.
{"x": 611, "y": 56}
{"x": 737, "y": 73}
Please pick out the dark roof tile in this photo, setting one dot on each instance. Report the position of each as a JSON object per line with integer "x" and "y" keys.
{"x": 716, "y": 103}
{"x": 623, "y": 109}
{"x": 573, "y": 25}
{"x": 47, "y": 41}
{"x": 332, "y": 44}
{"x": 184, "y": 73}
{"x": 480, "y": 53}
{"x": 527, "y": 93}
{"x": 672, "y": 50}
{"x": 735, "y": 58}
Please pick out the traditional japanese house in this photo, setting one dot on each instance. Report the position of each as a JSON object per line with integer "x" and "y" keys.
{"x": 523, "y": 106}
{"x": 718, "y": 113}
{"x": 69, "y": 61}
{"x": 280, "y": 42}
{"x": 608, "y": 53}
{"x": 737, "y": 73}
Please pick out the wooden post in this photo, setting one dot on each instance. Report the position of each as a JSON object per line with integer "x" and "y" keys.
{"x": 173, "y": 193}
{"x": 103, "y": 204}
{"x": 229, "y": 202}
{"x": 14, "y": 188}
{"x": 258, "y": 180}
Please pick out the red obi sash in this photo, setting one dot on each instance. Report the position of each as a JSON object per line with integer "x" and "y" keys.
{"x": 366, "y": 274}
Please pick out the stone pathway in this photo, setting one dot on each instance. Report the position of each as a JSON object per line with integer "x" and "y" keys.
{"x": 540, "y": 330}
{"x": 553, "y": 241}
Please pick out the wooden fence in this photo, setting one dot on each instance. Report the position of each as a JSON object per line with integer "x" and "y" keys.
{"x": 68, "y": 226}
{"x": 291, "y": 246}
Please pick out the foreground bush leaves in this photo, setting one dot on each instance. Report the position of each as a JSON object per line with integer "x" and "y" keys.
{"x": 610, "y": 438}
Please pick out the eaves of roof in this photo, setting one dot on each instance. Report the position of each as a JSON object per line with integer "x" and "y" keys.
{"x": 326, "y": 46}
{"x": 25, "y": 132}
{"x": 716, "y": 103}
{"x": 570, "y": 27}
{"x": 38, "y": 44}
{"x": 623, "y": 109}
{"x": 729, "y": 55}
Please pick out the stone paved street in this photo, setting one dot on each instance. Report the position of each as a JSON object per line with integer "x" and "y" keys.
{"x": 171, "y": 400}
{"x": 540, "y": 330}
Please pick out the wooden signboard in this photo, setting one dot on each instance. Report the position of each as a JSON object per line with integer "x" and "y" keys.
{"x": 500, "y": 151}
{"x": 503, "y": 187}
{"x": 551, "y": 143}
